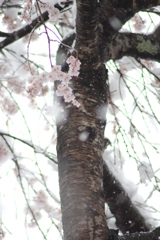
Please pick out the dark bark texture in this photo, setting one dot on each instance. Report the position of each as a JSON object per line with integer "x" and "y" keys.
{"x": 16, "y": 35}
{"x": 85, "y": 182}
{"x": 110, "y": 183}
{"x": 80, "y": 162}
{"x": 134, "y": 45}
{"x": 114, "y": 14}
{"x": 154, "y": 235}
{"x": 128, "y": 218}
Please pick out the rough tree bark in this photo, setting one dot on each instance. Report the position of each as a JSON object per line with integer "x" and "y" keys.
{"x": 110, "y": 183}
{"x": 80, "y": 163}
{"x": 128, "y": 218}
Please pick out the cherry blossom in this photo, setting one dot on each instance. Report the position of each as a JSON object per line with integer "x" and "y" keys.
{"x": 8, "y": 105}
{"x": 36, "y": 82}
{"x": 4, "y": 69}
{"x": 16, "y": 85}
{"x": 54, "y": 14}
{"x": 146, "y": 172}
{"x": 4, "y": 152}
{"x": 27, "y": 10}
{"x": 138, "y": 23}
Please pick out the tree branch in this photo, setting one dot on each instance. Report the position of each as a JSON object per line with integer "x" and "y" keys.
{"x": 16, "y": 35}
{"x": 128, "y": 218}
{"x": 87, "y": 42}
{"x": 122, "y": 11}
{"x": 154, "y": 235}
{"x": 134, "y": 45}
{"x": 63, "y": 50}
{"x": 114, "y": 14}
{"x": 135, "y": 226}
{"x": 36, "y": 149}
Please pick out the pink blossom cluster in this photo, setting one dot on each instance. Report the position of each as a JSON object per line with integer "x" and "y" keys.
{"x": 8, "y": 105}
{"x": 32, "y": 37}
{"x": 4, "y": 69}
{"x": 37, "y": 83}
{"x": 156, "y": 84}
{"x": 74, "y": 66}
{"x": 27, "y": 11}
{"x": 41, "y": 202}
{"x": 138, "y": 23}
{"x": 4, "y": 152}
{"x": 29, "y": 68}
{"x": 149, "y": 64}
{"x": 54, "y": 13}
{"x": 63, "y": 89}
{"x": 16, "y": 85}
{"x": 10, "y": 20}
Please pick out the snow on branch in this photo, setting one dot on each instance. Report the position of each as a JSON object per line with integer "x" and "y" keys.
{"x": 16, "y": 35}
{"x": 128, "y": 218}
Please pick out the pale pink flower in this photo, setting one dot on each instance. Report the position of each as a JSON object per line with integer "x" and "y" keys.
{"x": 68, "y": 97}
{"x": 56, "y": 70}
{"x": 16, "y": 85}
{"x": 26, "y": 14}
{"x": 54, "y": 14}
{"x": 74, "y": 66}
{"x": 71, "y": 59}
{"x": 65, "y": 81}
{"x": 36, "y": 81}
{"x": 43, "y": 77}
{"x": 4, "y": 152}
{"x": 76, "y": 103}
{"x": 9, "y": 106}
{"x": 61, "y": 75}
{"x": 138, "y": 23}
{"x": 45, "y": 90}
{"x": 4, "y": 69}
{"x": 59, "y": 92}
{"x": 149, "y": 64}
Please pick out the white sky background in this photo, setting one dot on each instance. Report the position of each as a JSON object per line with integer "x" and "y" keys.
{"x": 30, "y": 124}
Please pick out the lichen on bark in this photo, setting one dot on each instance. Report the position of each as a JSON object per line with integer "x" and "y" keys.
{"x": 146, "y": 46}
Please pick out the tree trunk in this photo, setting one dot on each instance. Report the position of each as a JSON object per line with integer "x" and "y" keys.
{"x": 80, "y": 138}
{"x": 80, "y": 159}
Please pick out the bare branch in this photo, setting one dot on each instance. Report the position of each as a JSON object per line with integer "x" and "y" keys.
{"x": 114, "y": 14}
{"x": 154, "y": 235}
{"x": 36, "y": 149}
{"x": 16, "y": 35}
{"x": 121, "y": 11}
{"x": 134, "y": 45}
{"x": 128, "y": 218}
